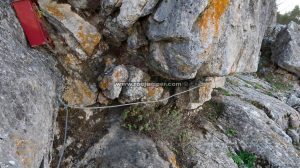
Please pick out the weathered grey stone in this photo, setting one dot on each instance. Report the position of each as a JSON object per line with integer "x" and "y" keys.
{"x": 211, "y": 151}
{"x": 71, "y": 25}
{"x": 294, "y": 135}
{"x": 196, "y": 98}
{"x": 137, "y": 39}
{"x": 121, "y": 148}
{"x": 199, "y": 38}
{"x": 84, "y": 4}
{"x": 136, "y": 88}
{"x": 130, "y": 11}
{"x": 277, "y": 110}
{"x": 111, "y": 84}
{"x": 109, "y": 6}
{"x": 28, "y": 90}
{"x": 78, "y": 93}
{"x": 293, "y": 101}
{"x": 286, "y": 49}
{"x": 258, "y": 134}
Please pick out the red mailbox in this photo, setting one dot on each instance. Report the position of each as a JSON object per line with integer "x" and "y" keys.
{"x": 26, "y": 12}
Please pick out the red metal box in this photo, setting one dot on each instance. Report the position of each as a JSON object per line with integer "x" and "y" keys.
{"x": 28, "y": 17}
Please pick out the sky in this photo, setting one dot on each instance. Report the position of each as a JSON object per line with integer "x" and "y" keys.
{"x": 287, "y": 5}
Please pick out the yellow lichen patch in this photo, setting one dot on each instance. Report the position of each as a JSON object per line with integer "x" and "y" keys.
{"x": 78, "y": 93}
{"x": 212, "y": 16}
{"x": 151, "y": 91}
{"x": 173, "y": 161}
{"x": 88, "y": 41}
{"x": 118, "y": 75}
{"x": 185, "y": 68}
{"x": 104, "y": 84}
{"x": 54, "y": 10}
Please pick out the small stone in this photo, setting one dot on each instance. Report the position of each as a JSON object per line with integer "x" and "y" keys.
{"x": 111, "y": 84}
{"x": 136, "y": 89}
{"x": 294, "y": 121}
{"x": 102, "y": 99}
{"x": 154, "y": 93}
{"x": 78, "y": 93}
{"x": 12, "y": 162}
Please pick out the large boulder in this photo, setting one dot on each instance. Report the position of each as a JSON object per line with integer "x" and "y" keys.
{"x": 207, "y": 37}
{"x": 121, "y": 148}
{"x": 257, "y": 133}
{"x": 286, "y": 49}
{"x": 28, "y": 80}
{"x": 79, "y": 34}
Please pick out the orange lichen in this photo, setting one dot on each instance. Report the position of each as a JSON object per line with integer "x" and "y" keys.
{"x": 78, "y": 92}
{"x": 88, "y": 41}
{"x": 118, "y": 75}
{"x": 212, "y": 15}
{"x": 25, "y": 150}
{"x": 54, "y": 10}
{"x": 104, "y": 84}
{"x": 151, "y": 91}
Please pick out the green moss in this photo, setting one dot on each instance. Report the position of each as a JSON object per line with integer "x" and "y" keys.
{"x": 277, "y": 82}
{"x": 223, "y": 91}
{"x": 231, "y": 132}
{"x": 243, "y": 159}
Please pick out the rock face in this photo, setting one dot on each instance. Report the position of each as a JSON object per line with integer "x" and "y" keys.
{"x": 196, "y": 98}
{"x": 198, "y": 39}
{"x": 28, "y": 81}
{"x": 111, "y": 82}
{"x": 260, "y": 136}
{"x": 286, "y": 49}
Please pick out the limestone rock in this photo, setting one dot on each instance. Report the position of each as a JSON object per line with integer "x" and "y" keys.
{"x": 196, "y": 98}
{"x": 84, "y": 4}
{"x": 109, "y": 6}
{"x": 78, "y": 93}
{"x": 211, "y": 151}
{"x": 198, "y": 39}
{"x": 137, "y": 90}
{"x": 120, "y": 148}
{"x": 274, "y": 108}
{"x": 116, "y": 29}
{"x": 111, "y": 84}
{"x": 64, "y": 19}
{"x": 137, "y": 39}
{"x": 258, "y": 134}
{"x": 154, "y": 93}
{"x": 286, "y": 48}
{"x": 294, "y": 135}
{"x": 28, "y": 92}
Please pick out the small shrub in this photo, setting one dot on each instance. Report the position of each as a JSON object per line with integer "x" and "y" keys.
{"x": 231, "y": 132}
{"x": 223, "y": 91}
{"x": 213, "y": 109}
{"x": 244, "y": 159}
{"x": 162, "y": 124}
